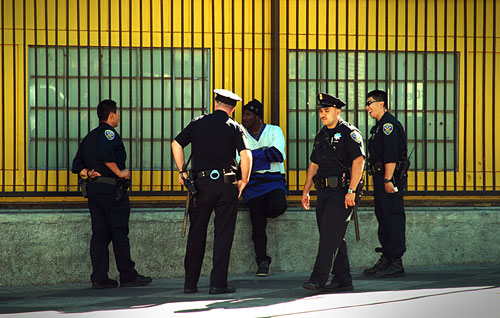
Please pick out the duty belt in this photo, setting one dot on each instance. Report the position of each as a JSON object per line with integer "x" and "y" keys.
{"x": 333, "y": 182}
{"x": 107, "y": 180}
{"x": 228, "y": 175}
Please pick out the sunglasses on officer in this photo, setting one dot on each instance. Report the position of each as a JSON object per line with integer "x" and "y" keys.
{"x": 368, "y": 103}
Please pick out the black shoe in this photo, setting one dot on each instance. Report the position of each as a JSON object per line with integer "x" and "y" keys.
{"x": 263, "y": 269}
{"x": 110, "y": 283}
{"x": 225, "y": 290}
{"x": 396, "y": 269}
{"x": 138, "y": 281}
{"x": 381, "y": 264}
{"x": 336, "y": 287}
{"x": 190, "y": 290}
{"x": 314, "y": 286}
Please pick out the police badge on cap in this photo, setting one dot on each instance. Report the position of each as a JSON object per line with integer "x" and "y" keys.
{"x": 226, "y": 97}
{"x": 326, "y": 100}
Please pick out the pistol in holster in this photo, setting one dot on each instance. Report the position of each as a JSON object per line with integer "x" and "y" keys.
{"x": 121, "y": 188}
{"x": 401, "y": 170}
{"x": 83, "y": 185}
{"x": 190, "y": 185}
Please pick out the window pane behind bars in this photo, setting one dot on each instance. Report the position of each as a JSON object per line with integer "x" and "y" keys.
{"x": 438, "y": 84}
{"x": 114, "y": 73}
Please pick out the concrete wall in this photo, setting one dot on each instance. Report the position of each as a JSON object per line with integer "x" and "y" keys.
{"x": 49, "y": 247}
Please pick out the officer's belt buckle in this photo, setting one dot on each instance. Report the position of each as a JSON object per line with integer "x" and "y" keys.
{"x": 214, "y": 174}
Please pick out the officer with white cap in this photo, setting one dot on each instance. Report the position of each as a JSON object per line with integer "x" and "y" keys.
{"x": 214, "y": 140}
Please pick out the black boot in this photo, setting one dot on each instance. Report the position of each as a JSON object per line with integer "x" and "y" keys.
{"x": 263, "y": 269}
{"x": 395, "y": 269}
{"x": 381, "y": 264}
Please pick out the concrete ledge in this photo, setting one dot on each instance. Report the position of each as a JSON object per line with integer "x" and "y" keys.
{"x": 51, "y": 246}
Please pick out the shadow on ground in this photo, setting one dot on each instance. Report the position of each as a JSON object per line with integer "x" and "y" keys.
{"x": 251, "y": 291}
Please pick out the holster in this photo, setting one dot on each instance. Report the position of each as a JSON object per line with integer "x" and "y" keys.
{"x": 83, "y": 185}
{"x": 121, "y": 188}
{"x": 190, "y": 185}
{"x": 401, "y": 170}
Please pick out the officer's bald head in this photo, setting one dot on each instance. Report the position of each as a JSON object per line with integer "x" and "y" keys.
{"x": 105, "y": 107}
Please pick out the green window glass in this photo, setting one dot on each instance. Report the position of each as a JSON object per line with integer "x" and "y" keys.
{"x": 422, "y": 91}
{"x": 157, "y": 90}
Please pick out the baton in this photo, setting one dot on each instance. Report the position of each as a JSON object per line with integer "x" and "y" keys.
{"x": 356, "y": 222}
{"x": 186, "y": 215}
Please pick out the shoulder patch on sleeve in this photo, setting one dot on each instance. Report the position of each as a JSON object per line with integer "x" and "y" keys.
{"x": 109, "y": 134}
{"x": 356, "y": 136}
{"x": 387, "y": 128}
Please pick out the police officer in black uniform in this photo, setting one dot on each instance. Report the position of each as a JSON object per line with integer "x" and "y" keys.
{"x": 387, "y": 150}
{"x": 101, "y": 156}
{"x": 336, "y": 167}
{"x": 215, "y": 138}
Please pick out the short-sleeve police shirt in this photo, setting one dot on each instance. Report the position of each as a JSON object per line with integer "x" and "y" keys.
{"x": 101, "y": 145}
{"x": 214, "y": 139}
{"x": 344, "y": 141}
{"x": 388, "y": 141}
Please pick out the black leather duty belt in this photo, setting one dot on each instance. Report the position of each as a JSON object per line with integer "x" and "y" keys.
{"x": 107, "y": 180}
{"x": 227, "y": 174}
{"x": 333, "y": 182}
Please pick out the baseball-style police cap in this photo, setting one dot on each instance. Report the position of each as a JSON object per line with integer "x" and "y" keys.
{"x": 255, "y": 106}
{"x": 226, "y": 97}
{"x": 326, "y": 100}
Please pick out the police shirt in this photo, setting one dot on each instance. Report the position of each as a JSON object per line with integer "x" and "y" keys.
{"x": 215, "y": 139}
{"x": 103, "y": 144}
{"x": 388, "y": 141}
{"x": 343, "y": 142}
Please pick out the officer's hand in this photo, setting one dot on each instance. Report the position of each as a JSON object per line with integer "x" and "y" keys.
{"x": 125, "y": 174}
{"x": 389, "y": 187}
{"x": 241, "y": 185}
{"x": 349, "y": 199}
{"x": 84, "y": 173}
{"x": 182, "y": 176}
{"x": 305, "y": 201}
{"x": 92, "y": 173}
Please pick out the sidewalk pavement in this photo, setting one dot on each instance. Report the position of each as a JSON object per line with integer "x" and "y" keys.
{"x": 442, "y": 291}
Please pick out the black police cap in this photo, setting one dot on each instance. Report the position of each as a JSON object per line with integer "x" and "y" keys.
{"x": 326, "y": 100}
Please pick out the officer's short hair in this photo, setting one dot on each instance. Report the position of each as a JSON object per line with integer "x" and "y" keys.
{"x": 379, "y": 96}
{"x": 105, "y": 107}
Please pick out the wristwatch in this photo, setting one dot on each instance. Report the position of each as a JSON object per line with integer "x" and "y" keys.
{"x": 351, "y": 190}
{"x": 387, "y": 180}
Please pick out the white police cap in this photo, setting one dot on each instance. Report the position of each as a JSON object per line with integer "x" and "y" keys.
{"x": 226, "y": 97}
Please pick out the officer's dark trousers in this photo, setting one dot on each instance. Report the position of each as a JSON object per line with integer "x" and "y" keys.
{"x": 223, "y": 198}
{"x": 332, "y": 218}
{"x": 109, "y": 224}
{"x": 390, "y": 213}
{"x": 271, "y": 204}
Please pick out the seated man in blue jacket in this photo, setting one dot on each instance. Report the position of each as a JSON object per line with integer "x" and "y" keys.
{"x": 265, "y": 193}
